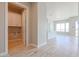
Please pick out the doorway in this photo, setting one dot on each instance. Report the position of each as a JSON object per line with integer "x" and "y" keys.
{"x": 16, "y": 27}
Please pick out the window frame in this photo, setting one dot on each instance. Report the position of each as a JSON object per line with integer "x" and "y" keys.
{"x": 64, "y": 29}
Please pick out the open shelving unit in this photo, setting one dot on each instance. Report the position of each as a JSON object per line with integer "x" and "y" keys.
{"x": 15, "y": 26}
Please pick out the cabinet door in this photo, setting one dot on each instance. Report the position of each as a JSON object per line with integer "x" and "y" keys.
{"x": 14, "y": 19}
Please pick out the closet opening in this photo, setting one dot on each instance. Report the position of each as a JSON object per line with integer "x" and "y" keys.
{"x": 16, "y": 27}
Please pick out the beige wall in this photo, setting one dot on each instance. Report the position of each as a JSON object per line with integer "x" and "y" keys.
{"x": 34, "y": 23}
{"x": 2, "y": 27}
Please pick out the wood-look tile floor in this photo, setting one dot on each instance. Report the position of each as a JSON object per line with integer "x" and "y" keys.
{"x": 60, "y": 46}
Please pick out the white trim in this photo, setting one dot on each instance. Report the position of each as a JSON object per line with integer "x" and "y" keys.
{"x": 3, "y": 54}
{"x": 42, "y": 44}
{"x": 27, "y": 26}
{"x": 23, "y": 26}
{"x": 6, "y": 28}
{"x": 34, "y": 45}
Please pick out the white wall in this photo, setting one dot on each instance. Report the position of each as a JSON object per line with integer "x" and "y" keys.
{"x": 39, "y": 24}
{"x": 61, "y": 10}
{"x": 42, "y": 24}
{"x": 51, "y": 27}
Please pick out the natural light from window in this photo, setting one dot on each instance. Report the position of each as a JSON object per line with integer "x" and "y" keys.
{"x": 62, "y": 27}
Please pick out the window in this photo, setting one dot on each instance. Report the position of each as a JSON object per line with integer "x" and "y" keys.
{"x": 58, "y": 27}
{"x": 67, "y": 27}
{"x": 62, "y": 27}
{"x": 76, "y": 29}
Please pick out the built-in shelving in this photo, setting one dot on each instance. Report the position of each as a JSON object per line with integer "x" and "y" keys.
{"x": 15, "y": 37}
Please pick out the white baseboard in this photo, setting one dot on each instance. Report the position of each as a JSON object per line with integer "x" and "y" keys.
{"x": 42, "y": 44}
{"x": 38, "y": 46}
{"x": 34, "y": 45}
{"x": 3, "y": 54}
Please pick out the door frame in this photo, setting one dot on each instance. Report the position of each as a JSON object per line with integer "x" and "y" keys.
{"x": 26, "y": 18}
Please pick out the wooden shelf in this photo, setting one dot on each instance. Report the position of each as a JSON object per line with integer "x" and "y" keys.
{"x": 15, "y": 26}
{"x": 14, "y": 8}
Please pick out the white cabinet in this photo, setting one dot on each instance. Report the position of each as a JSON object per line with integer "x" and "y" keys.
{"x": 14, "y": 19}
